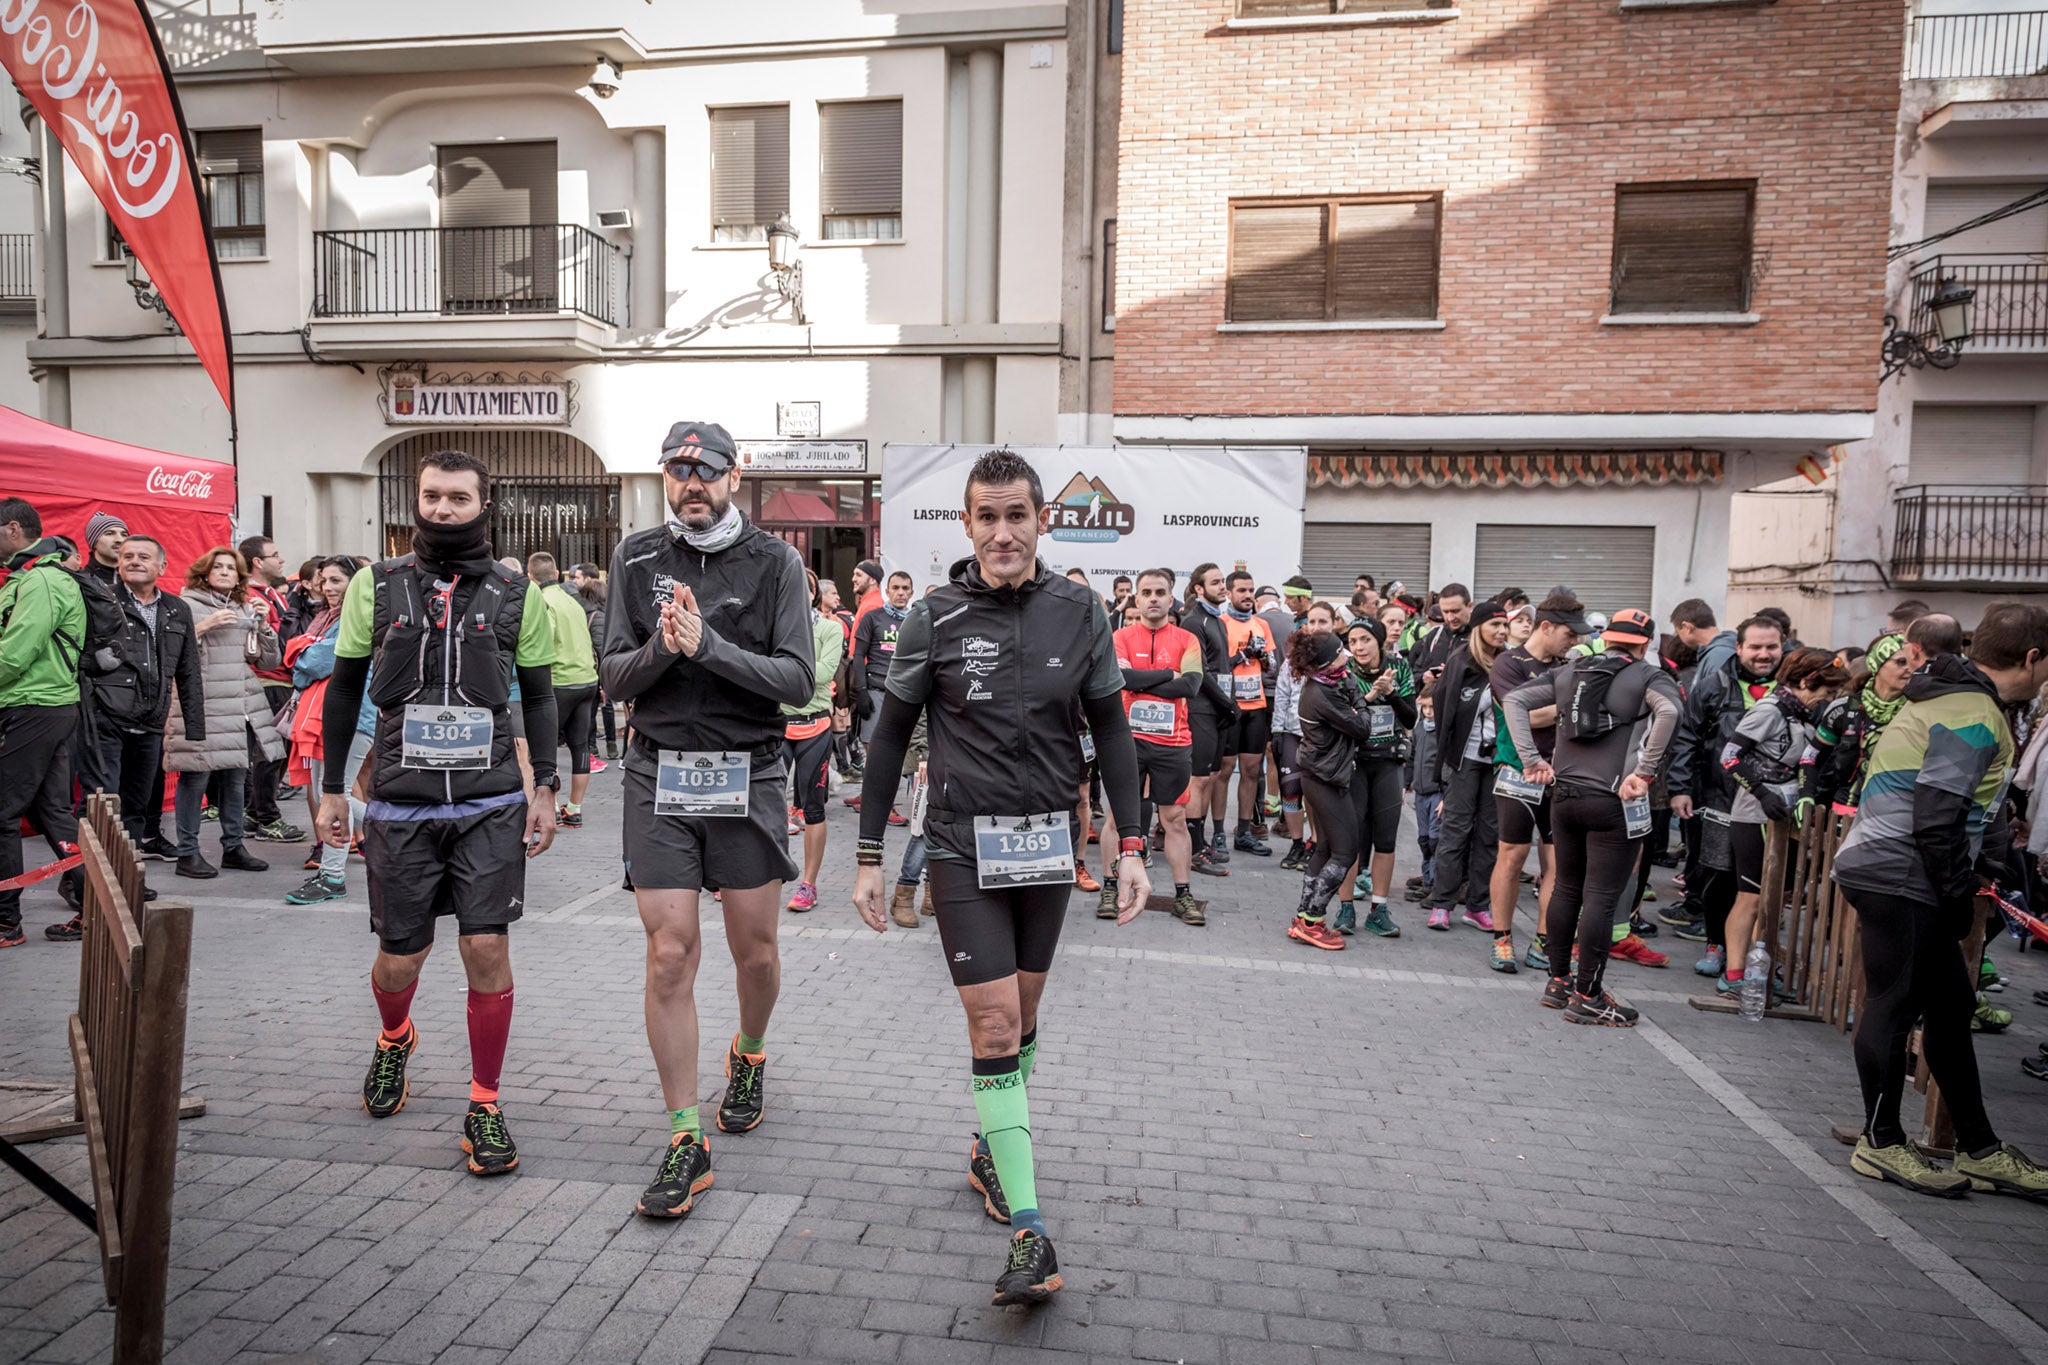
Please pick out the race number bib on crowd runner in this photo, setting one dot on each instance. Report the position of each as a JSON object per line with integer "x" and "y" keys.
{"x": 1023, "y": 850}
{"x": 1509, "y": 782}
{"x": 1635, "y": 817}
{"x": 1382, "y": 723}
{"x": 1087, "y": 746}
{"x": 1248, "y": 687}
{"x": 446, "y": 738}
{"x": 1151, "y": 716}
{"x": 702, "y": 784}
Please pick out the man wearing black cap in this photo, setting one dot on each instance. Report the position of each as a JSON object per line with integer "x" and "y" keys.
{"x": 708, "y": 634}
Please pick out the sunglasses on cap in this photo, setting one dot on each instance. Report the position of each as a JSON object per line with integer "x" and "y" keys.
{"x": 705, "y": 464}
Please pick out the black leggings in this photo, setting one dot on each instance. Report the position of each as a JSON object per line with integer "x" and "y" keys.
{"x": 577, "y": 706}
{"x": 989, "y": 935}
{"x": 1912, "y": 970}
{"x": 610, "y": 711}
{"x": 1376, "y": 792}
{"x": 1594, "y": 858}
{"x": 1285, "y": 750}
{"x": 808, "y": 759}
{"x": 1338, "y": 826}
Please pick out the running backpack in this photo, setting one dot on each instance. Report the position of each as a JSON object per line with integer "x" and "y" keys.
{"x": 100, "y": 652}
{"x": 1584, "y": 713}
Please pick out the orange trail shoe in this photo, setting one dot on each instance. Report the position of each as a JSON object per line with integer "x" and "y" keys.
{"x": 385, "y": 1088}
{"x": 1083, "y": 880}
{"x": 1633, "y": 949}
{"x": 1315, "y": 934}
{"x": 685, "y": 1173}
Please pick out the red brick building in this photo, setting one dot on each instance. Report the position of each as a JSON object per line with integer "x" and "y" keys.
{"x": 1507, "y": 269}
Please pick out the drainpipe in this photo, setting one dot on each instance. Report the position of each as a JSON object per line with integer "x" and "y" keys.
{"x": 650, "y": 235}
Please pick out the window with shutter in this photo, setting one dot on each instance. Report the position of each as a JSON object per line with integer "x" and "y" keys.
{"x": 499, "y": 236}
{"x": 231, "y": 180}
{"x": 1987, "y": 445}
{"x": 860, "y": 173}
{"x": 749, "y": 171}
{"x": 1109, "y": 274}
{"x": 1682, "y": 248}
{"x": 1336, "y": 260}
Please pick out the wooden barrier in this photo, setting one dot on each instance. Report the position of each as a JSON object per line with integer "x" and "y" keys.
{"x": 128, "y": 1055}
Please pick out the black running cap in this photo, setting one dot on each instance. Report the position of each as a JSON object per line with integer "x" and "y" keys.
{"x": 1573, "y": 621}
{"x": 705, "y": 442}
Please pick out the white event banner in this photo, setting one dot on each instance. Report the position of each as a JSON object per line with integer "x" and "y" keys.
{"x": 1116, "y": 509}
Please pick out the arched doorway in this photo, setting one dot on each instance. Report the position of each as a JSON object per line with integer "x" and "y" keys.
{"x": 549, "y": 491}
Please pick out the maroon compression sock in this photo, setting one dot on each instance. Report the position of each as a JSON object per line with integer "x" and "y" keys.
{"x": 490, "y": 1026}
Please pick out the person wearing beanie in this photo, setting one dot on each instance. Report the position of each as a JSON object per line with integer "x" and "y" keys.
{"x": 867, "y": 589}
{"x": 105, "y": 534}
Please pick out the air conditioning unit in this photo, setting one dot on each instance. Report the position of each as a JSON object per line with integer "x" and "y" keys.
{"x": 615, "y": 218}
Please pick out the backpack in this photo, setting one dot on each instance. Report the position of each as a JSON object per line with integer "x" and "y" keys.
{"x": 100, "y": 651}
{"x": 1585, "y": 710}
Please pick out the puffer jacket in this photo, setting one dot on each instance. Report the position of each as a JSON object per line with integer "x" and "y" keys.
{"x": 234, "y": 694}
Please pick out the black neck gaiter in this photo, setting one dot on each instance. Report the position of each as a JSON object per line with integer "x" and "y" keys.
{"x": 447, "y": 550}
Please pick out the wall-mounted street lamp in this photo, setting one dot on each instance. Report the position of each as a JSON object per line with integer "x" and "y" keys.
{"x": 782, "y": 261}
{"x": 1953, "y": 309}
{"x": 146, "y": 295}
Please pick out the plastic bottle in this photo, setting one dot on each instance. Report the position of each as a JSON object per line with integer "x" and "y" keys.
{"x": 1756, "y": 981}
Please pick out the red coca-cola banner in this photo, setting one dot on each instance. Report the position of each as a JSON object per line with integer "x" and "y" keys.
{"x": 95, "y": 72}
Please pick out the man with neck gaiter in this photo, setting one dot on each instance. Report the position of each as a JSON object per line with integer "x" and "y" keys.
{"x": 708, "y": 634}
{"x": 435, "y": 637}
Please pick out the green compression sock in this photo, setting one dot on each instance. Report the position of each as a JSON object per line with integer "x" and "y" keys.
{"x": 1006, "y": 1123}
{"x": 748, "y": 1047}
{"x": 685, "y": 1121}
{"x": 1027, "y": 1053}
{"x": 1621, "y": 931}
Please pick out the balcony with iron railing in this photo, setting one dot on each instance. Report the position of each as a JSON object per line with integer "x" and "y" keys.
{"x": 2010, "y": 312}
{"x": 558, "y": 287}
{"x": 1979, "y": 46}
{"x": 17, "y": 272}
{"x": 1970, "y": 536}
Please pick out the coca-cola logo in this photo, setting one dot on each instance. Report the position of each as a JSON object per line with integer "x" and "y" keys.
{"x": 142, "y": 167}
{"x": 190, "y": 483}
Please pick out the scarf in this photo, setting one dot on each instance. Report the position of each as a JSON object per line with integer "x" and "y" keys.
{"x": 1878, "y": 708}
{"x": 720, "y": 536}
{"x": 447, "y": 550}
{"x": 1335, "y": 673}
{"x": 895, "y": 613}
{"x": 1237, "y": 615}
{"x": 1208, "y": 606}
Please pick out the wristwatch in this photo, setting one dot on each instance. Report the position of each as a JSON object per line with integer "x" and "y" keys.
{"x": 553, "y": 782}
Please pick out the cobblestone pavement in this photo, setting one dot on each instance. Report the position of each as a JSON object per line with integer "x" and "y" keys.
{"x": 1249, "y": 1151}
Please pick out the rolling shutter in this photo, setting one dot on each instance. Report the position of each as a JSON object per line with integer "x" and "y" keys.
{"x": 861, "y": 153}
{"x": 1335, "y": 552}
{"x": 230, "y": 151}
{"x": 497, "y": 184}
{"x": 1278, "y": 264}
{"x": 498, "y": 232}
{"x": 1952, "y": 205}
{"x": 1985, "y": 444}
{"x": 749, "y": 165}
{"x": 1385, "y": 261}
{"x": 1681, "y": 249}
{"x": 1606, "y": 567}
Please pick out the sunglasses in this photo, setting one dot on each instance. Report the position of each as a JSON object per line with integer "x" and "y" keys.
{"x": 682, "y": 467}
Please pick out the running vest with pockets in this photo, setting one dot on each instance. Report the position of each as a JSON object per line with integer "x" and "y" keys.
{"x": 1598, "y": 760}
{"x": 418, "y": 660}
{"x": 1006, "y": 667}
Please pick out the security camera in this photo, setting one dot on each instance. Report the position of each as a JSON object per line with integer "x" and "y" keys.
{"x": 604, "y": 78}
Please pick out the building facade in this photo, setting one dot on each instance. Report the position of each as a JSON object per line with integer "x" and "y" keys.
{"x": 1948, "y": 501}
{"x": 542, "y": 234}
{"x": 1538, "y": 284}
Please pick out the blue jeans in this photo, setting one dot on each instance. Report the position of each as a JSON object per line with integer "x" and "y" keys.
{"x": 191, "y": 791}
{"x": 914, "y": 859}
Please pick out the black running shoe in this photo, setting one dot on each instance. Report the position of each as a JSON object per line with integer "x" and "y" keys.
{"x": 487, "y": 1141}
{"x": 740, "y": 1110}
{"x": 685, "y": 1173}
{"x": 1033, "y": 1272}
{"x": 1557, "y": 993}
{"x": 158, "y": 849}
{"x": 1205, "y": 863}
{"x": 568, "y": 819}
{"x": 70, "y": 931}
{"x": 1603, "y": 1010}
{"x": 385, "y": 1088}
{"x": 981, "y": 1177}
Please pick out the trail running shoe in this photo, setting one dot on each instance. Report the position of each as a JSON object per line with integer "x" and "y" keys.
{"x": 1251, "y": 843}
{"x": 1296, "y": 859}
{"x": 1642, "y": 928}
{"x": 981, "y": 1178}
{"x": 1032, "y": 1274}
{"x": 1503, "y": 959}
{"x": 1675, "y": 916}
{"x": 1989, "y": 1018}
{"x": 1416, "y": 893}
{"x": 685, "y": 1173}
{"x": 795, "y": 824}
{"x": 1557, "y": 993}
{"x": 1105, "y": 905}
{"x": 1729, "y": 986}
{"x": 741, "y": 1108}
{"x": 1347, "y": 919}
{"x": 1988, "y": 978}
{"x": 70, "y": 931}
{"x": 898, "y": 818}
{"x": 597, "y": 765}
{"x": 1380, "y": 920}
{"x": 1205, "y": 863}
{"x": 158, "y": 849}
{"x": 804, "y": 898}
{"x": 1272, "y": 808}
{"x": 487, "y": 1142}
{"x": 2037, "y": 1067}
{"x": 13, "y": 936}
{"x": 385, "y": 1088}
{"x": 1536, "y": 959}
{"x": 1902, "y": 1164}
{"x": 568, "y": 819}
{"x": 2006, "y": 1171}
{"x": 1479, "y": 919}
{"x": 1315, "y": 934}
{"x": 1692, "y": 931}
{"x": 1361, "y": 885}
{"x": 1602, "y": 1010}
{"x": 1260, "y": 829}
{"x": 1650, "y": 895}
{"x": 1189, "y": 911}
{"x": 1711, "y": 964}
{"x": 1633, "y": 949}
{"x": 1440, "y": 919}
{"x": 1219, "y": 848}
{"x": 1084, "y": 880}
{"x": 277, "y": 832}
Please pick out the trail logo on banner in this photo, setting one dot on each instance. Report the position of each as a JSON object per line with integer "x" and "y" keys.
{"x": 96, "y": 74}
{"x": 1087, "y": 511}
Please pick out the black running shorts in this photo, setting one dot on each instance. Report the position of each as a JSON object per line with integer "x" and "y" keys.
{"x": 1163, "y": 772}
{"x": 1213, "y": 733}
{"x": 472, "y": 867}
{"x": 1521, "y": 823}
{"x": 990, "y": 935}
{"x": 1254, "y": 730}
{"x": 695, "y": 853}
{"x": 1746, "y": 843}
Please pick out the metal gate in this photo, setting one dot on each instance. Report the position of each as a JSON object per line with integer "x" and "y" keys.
{"x": 549, "y": 491}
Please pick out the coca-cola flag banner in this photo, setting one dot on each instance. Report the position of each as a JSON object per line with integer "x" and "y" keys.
{"x": 96, "y": 74}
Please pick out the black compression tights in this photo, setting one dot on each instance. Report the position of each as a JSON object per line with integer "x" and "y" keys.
{"x": 1338, "y": 828}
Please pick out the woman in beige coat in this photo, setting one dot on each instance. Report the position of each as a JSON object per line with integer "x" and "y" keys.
{"x": 235, "y": 639}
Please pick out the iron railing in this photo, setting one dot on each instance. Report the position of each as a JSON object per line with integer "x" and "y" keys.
{"x": 17, "y": 265}
{"x": 2011, "y": 307}
{"x": 534, "y": 268}
{"x": 1965, "y": 535}
{"x": 1966, "y": 46}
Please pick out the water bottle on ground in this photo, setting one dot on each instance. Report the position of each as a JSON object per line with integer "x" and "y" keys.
{"x": 1756, "y": 981}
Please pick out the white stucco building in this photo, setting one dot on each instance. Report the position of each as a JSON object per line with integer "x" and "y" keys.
{"x": 555, "y": 216}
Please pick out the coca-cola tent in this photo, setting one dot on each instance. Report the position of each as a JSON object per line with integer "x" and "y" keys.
{"x": 187, "y": 504}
